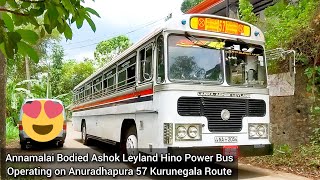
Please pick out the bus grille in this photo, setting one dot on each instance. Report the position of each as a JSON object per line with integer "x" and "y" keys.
{"x": 211, "y": 108}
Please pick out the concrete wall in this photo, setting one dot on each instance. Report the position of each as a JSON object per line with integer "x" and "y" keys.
{"x": 290, "y": 114}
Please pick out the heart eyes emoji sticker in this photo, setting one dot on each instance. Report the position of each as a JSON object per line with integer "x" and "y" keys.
{"x": 42, "y": 120}
{"x": 52, "y": 109}
{"x": 32, "y": 109}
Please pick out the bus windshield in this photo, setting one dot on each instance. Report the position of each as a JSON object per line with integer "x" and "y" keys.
{"x": 190, "y": 62}
{"x": 198, "y": 59}
{"x": 245, "y": 65}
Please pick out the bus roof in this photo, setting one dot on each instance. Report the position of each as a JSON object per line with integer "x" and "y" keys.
{"x": 176, "y": 24}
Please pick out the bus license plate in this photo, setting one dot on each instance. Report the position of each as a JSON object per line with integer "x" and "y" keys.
{"x": 225, "y": 139}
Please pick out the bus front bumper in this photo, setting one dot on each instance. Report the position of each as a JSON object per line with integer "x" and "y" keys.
{"x": 242, "y": 150}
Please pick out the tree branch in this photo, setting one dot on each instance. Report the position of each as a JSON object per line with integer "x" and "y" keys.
{"x": 13, "y": 12}
{"x": 39, "y": 1}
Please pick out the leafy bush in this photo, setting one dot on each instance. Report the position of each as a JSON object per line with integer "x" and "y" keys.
{"x": 284, "y": 149}
{"x": 12, "y": 131}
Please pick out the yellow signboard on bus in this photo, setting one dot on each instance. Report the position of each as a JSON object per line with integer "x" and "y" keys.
{"x": 220, "y": 26}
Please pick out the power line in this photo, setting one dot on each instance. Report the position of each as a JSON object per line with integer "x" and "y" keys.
{"x": 139, "y": 27}
{"x": 79, "y": 47}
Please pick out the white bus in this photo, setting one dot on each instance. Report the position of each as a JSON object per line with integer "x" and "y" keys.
{"x": 197, "y": 83}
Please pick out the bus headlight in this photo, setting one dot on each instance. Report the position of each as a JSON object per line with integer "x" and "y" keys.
{"x": 188, "y": 132}
{"x": 181, "y": 132}
{"x": 192, "y": 131}
{"x": 261, "y": 131}
{"x": 258, "y": 131}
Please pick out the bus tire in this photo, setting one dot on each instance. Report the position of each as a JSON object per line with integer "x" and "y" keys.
{"x": 129, "y": 144}
{"x": 84, "y": 135}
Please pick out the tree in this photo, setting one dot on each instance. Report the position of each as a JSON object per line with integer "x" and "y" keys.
{"x": 16, "y": 39}
{"x": 107, "y": 50}
{"x": 188, "y": 4}
{"x": 55, "y": 69}
{"x": 284, "y": 20}
{"x": 72, "y": 74}
{"x": 246, "y": 12}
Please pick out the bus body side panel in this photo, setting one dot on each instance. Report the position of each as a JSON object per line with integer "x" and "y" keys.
{"x": 90, "y": 122}
{"x": 106, "y": 122}
{"x": 76, "y": 122}
{"x": 149, "y": 130}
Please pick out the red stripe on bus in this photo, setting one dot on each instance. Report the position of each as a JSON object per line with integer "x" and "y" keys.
{"x": 119, "y": 98}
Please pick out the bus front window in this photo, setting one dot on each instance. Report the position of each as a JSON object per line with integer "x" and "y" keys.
{"x": 245, "y": 65}
{"x": 189, "y": 62}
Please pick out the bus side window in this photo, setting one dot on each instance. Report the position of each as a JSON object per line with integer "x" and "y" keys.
{"x": 109, "y": 81}
{"x": 131, "y": 72}
{"x": 97, "y": 85}
{"x": 160, "y": 60}
{"x": 122, "y": 77}
{"x": 127, "y": 73}
{"x": 146, "y": 64}
{"x": 81, "y": 94}
{"x": 88, "y": 91}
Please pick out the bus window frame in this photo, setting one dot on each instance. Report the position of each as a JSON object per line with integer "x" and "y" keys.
{"x": 124, "y": 60}
{"x": 107, "y": 89}
{"x": 147, "y": 45}
{"x": 95, "y": 83}
{"x": 81, "y": 93}
{"x": 157, "y": 59}
{"x": 222, "y": 64}
{"x": 88, "y": 84}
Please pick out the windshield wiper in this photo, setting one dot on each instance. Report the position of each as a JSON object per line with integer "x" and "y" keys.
{"x": 187, "y": 35}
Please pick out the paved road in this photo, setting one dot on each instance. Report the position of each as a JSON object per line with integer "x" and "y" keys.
{"x": 73, "y": 142}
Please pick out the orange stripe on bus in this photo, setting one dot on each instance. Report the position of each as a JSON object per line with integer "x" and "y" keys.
{"x": 203, "y": 6}
{"x": 115, "y": 99}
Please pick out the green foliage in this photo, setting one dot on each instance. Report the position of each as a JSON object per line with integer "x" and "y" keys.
{"x": 246, "y": 12}
{"x": 56, "y": 15}
{"x": 313, "y": 74}
{"x": 107, "y": 50}
{"x": 284, "y": 20}
{"x": 297, "y": 27}
{"x": 284, "y": 149}
{"x": 64, "y": 77}
{"x": 188, "y": 4}
{"x": 305, "y": 158}
{"x": 55, "y": 69}
{"x": 16, "y": 93}
{"x": 12, "y": 131}
{"x": 72, "y": 73}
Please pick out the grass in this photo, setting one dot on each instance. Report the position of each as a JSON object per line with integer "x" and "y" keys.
{"x": 12, "y": 131}
{"x": 304, "y": 160}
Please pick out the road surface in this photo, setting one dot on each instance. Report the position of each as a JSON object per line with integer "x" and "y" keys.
{"x": 73, "y": 141}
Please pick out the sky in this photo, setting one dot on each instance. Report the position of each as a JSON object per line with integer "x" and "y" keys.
{"x": 118, "y": 17}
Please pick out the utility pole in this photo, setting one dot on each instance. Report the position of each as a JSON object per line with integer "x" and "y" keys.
{"x": 48, "y": 80}
{"x": 227, "y": 8}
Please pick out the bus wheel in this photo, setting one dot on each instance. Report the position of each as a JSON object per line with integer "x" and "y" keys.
{"x": 130, "y": 143}
{"x": 84, "y": 136}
